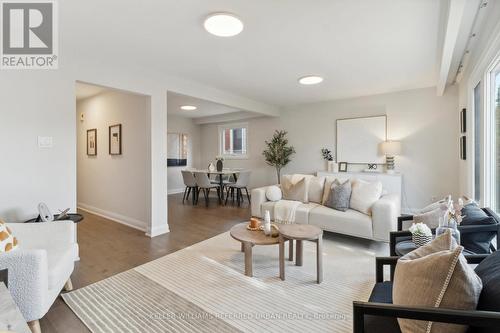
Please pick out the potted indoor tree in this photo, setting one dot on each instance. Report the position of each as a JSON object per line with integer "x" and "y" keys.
{"x": 278, "y": 153}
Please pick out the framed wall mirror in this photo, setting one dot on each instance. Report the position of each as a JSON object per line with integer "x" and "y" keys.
{"x": 177, "y": 149}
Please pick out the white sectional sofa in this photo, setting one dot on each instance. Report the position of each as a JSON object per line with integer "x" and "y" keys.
{"x": 383, "y": 218}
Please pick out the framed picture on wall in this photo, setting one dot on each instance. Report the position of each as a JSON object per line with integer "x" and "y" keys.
{"x": 177, "y": 149}
{"x": 463, "y": 121}
{"x": 115, "y": 139}
{"x": 92, "y": 142}
{"x": 463, "y": 147}
{"x": 343, "y": 167}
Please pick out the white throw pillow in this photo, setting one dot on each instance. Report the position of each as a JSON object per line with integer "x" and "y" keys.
{"x": 294, "y": 187}
{"x": 315, "y": 189}
{"x": 273, "y": 193}
{"x": 364, "y": 195}
{"x": 300, "y": 192}
{"x": 326, "y": 189}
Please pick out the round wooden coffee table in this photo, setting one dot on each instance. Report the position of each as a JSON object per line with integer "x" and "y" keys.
{"x": 299, "y": 233}
{"x": 248, "y": 240}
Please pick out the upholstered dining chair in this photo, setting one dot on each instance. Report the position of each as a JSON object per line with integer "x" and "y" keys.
{"x": 240, "y": 185}
{"x": 191, "y": 186}
{"x": 206, "y": 185}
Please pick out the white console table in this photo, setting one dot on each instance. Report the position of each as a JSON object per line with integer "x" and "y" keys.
{"x": 391, "y": 183}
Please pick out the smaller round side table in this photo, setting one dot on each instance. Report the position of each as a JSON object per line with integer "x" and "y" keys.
{"x": 299, "y": 233}
{"x": 248, "y": 240}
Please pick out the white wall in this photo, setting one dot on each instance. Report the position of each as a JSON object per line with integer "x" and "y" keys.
{"x": 177, "y": 124}
{"x": 115, "y": 186}
{"x": 36, "y": 103}
{"x": 426, "y": 124}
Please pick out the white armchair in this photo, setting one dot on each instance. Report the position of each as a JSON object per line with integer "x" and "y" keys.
{"x": 40, "y": 267}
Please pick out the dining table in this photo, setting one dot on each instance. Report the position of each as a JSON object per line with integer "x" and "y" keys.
{"x": 220, "y": 174}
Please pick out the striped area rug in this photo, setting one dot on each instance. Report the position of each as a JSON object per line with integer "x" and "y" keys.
{"x": 202, "y": 289}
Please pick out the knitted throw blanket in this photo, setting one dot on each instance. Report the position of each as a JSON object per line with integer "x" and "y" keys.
{"x": 284, "y": 211}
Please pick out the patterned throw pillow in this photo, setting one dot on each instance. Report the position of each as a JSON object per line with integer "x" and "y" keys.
{"x": 7, "y": 241}
{"x": 340, "y": 195}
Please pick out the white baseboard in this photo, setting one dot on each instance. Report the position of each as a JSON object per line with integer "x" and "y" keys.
{"x": 175, "y": 191}
{"x": 125, "y": 220}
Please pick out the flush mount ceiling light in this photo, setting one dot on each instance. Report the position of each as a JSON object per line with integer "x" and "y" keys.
{"x": 188, "y": 108}
{"x": 223, "y": 24}
{"x": 310, "y": 79}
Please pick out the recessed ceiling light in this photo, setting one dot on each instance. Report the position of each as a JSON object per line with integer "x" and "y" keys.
{"x": 188, "y": 107}
{"x": 310, "y": 79}
{"x": 223, "y": 24}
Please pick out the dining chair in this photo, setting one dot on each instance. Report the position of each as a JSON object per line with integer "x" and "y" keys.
{"x": 227, "y": 179}
{"x": 191, "y": 186}
{"x": 241, "y": 184}
{"x": 204, "y": 184}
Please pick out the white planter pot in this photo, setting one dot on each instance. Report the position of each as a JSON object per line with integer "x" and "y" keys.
{"x": 332, "y": 166}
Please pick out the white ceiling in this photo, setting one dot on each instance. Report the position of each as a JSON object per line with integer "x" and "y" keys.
{"x": 204, "y": 108}
{"x": 84, "y": 90}
{"x": 360, "y": 47}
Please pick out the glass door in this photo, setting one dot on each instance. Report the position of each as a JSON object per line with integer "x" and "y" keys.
{"x": 495, "y": 137}
{"x": 477, "y": 141}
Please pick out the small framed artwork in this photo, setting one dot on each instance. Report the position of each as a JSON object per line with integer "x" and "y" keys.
{"x": 115, "y": 139}
{"x": 463, "y": 147}
{"x": 343, "y": 167}
{"x": 463, "y": 121}
{"x": 92, "y": 142}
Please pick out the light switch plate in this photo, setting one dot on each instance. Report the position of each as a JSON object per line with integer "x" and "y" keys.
{"x": 45, "y": 142}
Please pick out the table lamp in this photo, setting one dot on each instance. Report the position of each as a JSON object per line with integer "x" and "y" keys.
{"x": 390, "y": 149}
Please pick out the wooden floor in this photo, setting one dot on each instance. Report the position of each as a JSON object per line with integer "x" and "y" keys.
{"x": 108, "y": 248}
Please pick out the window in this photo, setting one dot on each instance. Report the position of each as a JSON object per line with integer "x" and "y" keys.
{"x": 495, "y": 118}
{"x": 233, "y": 141}
{"x": 492, "y": 143}
{"x": 477, "y": 142}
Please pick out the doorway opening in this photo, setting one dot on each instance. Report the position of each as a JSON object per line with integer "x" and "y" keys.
{"x": 114, "y": 154}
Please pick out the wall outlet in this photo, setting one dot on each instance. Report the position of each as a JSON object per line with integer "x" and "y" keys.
{"x": 45, "y": 142}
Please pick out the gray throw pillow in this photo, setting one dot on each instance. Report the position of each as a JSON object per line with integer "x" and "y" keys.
{"x": 340, "y": 195}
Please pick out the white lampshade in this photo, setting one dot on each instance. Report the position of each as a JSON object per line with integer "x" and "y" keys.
{"x": 390, "y": 148}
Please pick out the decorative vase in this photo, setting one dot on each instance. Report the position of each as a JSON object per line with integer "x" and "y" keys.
{"x": 267, "y": 223}
{"x": 220, "y": 165}
{"x": 211, "y": 167}
{"x": 332, "y": 166}
{"x": 329, "y": 166}
{"x": 448, "y": 224}
{"x": 420, "y": 240}
{"x": 335, "y": 167}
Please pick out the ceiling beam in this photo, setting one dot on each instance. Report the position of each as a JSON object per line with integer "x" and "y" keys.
{"x": 452, "y": 21}
{"x": 227, "y": 117}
